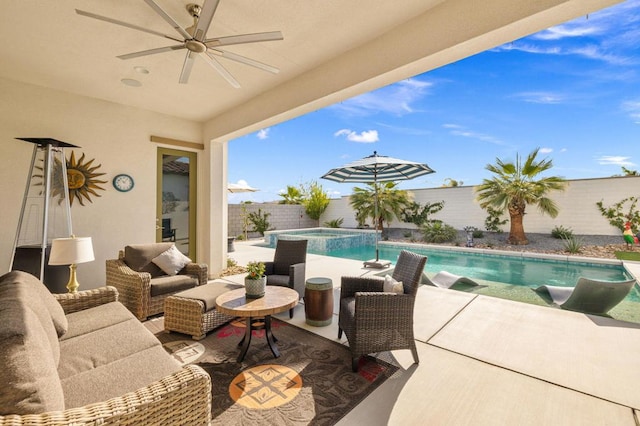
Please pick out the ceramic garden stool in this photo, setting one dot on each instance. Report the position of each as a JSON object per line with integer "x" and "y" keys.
{"x": 194, "y": 311}
{"x": 318, "y": 301}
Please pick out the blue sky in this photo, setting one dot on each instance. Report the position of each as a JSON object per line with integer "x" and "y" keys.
{"x": 572, "y": 90}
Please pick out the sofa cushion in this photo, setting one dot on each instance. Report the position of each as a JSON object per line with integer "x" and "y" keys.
{"x": 119, "y": 377}
{"x": 171, "y": 284}
{"x": 208, "y": 293}
{"x": 139, "y": 257}
{"x": 171, "y": 261}
{"x": 16, "y": 289}
{"x": 103, "y": 346}
{"x": 30, "y": 383}
{"x": 51, "y": 304}
{"x": 99, "y": 317}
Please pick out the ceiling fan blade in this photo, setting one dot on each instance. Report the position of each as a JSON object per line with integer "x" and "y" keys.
{"x": 186, "y": 67}
{"x": 245, "y": 60}
{"x": 221, "y": 70}
{"x": 124, "y": 24}
{"x": 244, "y": 38}
{"x": 169, "y": 19}
{"x": 151, "y": 51}
{"x": 206, "y": 16}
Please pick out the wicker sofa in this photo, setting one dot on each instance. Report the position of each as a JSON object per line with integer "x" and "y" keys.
{"x": 84, "y": 359}
{"x": 142, "y": 285}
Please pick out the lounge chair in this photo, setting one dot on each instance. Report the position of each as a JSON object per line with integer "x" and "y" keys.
{"x": 444, "y": 279}
{"x": 588, "y": 296}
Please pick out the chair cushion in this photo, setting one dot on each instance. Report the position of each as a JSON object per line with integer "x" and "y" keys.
{"x": 392, "y": 286}
{"x": 30, "y": 382}
{"x": 171, "y": 261}
{"x": 348, "y": 308}
{"x": 139, "y": 257}
{"x": 281, "y": 280}
{"x": 171, "y": 284}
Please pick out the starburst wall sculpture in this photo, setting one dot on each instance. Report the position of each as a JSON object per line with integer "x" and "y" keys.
{"x": 81, "y": 178}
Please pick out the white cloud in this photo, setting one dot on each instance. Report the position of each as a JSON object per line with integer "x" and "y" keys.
{"x": 367, "y": 136}
{"x": 545, "y": 150}
{"x": 264, "y": 133}
{"x": 608, "y": 160}
{"x": 632, "y": 108}
{"x": 457, "y": 130}
{"x": 567, "y": 30}
{"x": 541, "y": 97}
{"x": 397, "y": 99}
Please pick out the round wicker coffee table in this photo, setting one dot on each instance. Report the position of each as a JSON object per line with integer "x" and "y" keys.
{"x": 257, "y": 312}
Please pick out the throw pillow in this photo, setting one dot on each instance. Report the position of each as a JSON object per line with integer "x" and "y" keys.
{"x": 392, "y": 286}
{"x": 171, "y": 261}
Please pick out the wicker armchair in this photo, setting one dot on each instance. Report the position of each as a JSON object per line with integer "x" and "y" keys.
{"x": 143, "y": 286}
{"x": 288, "y": 266}
{"x": 375, "y": 321}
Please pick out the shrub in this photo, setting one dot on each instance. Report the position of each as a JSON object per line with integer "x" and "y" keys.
{"x": 619, "y": 213}
{"x": 259, "y": 221}
{"x": 478, "y": 233}
{"x": 493, "y": 221}
{"x": 334, "y": 223}
{"x": 418, "y": 214}
{"x": 561, "y": 232}
{"x": 572, "y": 244}
{"x": 438, "y": 232}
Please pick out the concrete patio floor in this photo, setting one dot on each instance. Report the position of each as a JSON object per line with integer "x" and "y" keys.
{"x": 489, "y": 361}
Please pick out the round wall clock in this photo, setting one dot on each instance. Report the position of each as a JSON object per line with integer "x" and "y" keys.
{"x": 123, "y": 183}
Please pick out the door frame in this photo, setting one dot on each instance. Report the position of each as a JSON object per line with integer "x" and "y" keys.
{"x": 193, "y": 191}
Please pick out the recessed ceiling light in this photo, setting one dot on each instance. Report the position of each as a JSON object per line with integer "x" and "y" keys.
{"x": 131, "y": 82}
{"x": 141, "y": 70}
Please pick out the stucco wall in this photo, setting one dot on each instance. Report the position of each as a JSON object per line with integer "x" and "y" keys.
{"x": 116, "y": 136}
{"x": 577, "y": 205}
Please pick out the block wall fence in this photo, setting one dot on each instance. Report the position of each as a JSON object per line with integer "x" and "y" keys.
{"x": 577, "y": 205}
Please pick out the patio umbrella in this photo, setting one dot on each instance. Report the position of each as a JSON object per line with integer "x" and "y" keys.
{"x": 236, "y": 187}
{"x": 373, "y": 169}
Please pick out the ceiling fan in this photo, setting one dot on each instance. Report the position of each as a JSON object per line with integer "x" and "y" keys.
{"x": 195, "y": 41}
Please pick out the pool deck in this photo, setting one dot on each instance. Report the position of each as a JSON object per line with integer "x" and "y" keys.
{"x": 489, "y": 361}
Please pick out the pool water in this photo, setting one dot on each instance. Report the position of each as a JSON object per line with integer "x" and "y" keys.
{"x": 508, "y": 277}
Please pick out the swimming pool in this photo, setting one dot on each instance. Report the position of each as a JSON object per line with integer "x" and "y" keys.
{"x": 508, "y": 275}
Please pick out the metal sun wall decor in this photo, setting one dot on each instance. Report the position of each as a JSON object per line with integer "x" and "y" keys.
{"x": 81, "y": 178}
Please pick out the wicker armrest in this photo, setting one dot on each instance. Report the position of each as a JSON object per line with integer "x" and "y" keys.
{"x": 386, "y": 301}
{"x": 201, "y": 270}
{"x": 350, "y": 285}
{"x": 179, "y": 399}
{"x": 297, "y": 277}
{"x": 85, "y": 299}
{"x": 134, "y": 288}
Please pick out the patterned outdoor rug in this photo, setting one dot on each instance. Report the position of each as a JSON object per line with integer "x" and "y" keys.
{"x": 311, "y": 383}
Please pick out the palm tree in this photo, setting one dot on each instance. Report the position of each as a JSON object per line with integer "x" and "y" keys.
{"x": 292, "y": 196}
{"x": 514, "y": 186}
{"x": 391, "y": 202}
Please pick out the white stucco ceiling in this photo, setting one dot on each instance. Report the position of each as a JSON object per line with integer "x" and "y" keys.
{"x": 332, "y": 49}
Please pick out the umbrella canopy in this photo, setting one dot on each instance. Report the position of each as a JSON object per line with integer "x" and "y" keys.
{"x": 378, "y": 168}
{"x": 235, "y": 187}
{"x": 373, "y": 169}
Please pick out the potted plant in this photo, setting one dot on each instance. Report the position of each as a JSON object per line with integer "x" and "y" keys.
{"x": 256, "y": 281}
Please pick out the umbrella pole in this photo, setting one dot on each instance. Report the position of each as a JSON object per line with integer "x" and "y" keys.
{"x": 375, "y": 215}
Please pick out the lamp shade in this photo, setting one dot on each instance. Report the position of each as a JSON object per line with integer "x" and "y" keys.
{"x": 67, "y": 251}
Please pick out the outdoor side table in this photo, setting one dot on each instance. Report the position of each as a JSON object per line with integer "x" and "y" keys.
{"x": 318, "y": 301}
